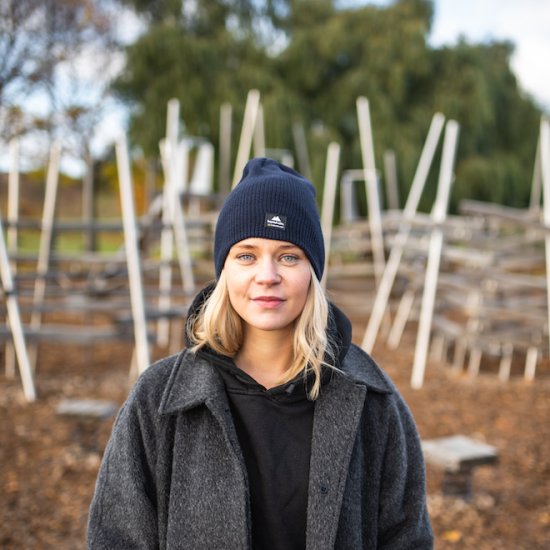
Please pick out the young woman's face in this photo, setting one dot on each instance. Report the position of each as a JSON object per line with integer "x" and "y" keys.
{"x": 268, "y": 282}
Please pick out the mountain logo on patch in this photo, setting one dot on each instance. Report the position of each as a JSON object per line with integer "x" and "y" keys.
{"x": 276, "y": 221}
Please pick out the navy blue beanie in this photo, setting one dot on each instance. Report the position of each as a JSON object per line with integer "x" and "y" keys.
{"x": 272, "y": 201}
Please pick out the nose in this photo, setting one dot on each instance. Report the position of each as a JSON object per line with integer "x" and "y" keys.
{"x": 267, "y": 272}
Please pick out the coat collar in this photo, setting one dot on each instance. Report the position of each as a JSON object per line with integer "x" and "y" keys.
{"x": 195, "y": 381}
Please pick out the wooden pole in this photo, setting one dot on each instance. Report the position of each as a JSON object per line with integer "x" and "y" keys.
{"x": 14, "y": 320}
{"x": 12, "y": 234}
{"x": 371, "y": 185}
{"x": 13, "y": 201}
{"x": 411, "y": 206}
{"x": 88, "y": 209}
{"x": 329, "y": 195}
{"x": 536, "y": 184}
{"x": 176, "y": 221}
{"x": 166, "y": 249}
{"x": 224, "y": 166}
{"x": 132, "y": 255}
{"x": 168, "y": 155}
{"x": 45, "y": 247}
{"x": 545, "y": 174}
{"x": 392, "y": 188}
{"x": 300, "y": 144}
{"x": 247, "y": 132}
{"x": 439, "y": 213}
{"x": 177, "y": 216}
{"x": 259, "y": 134}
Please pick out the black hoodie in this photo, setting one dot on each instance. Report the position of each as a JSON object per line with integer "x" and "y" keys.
{"x": 274, "y": 428}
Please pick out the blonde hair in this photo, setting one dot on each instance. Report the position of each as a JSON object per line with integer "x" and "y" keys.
{"x": 217, "y": 325}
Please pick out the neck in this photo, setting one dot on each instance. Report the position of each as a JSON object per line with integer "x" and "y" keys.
{"x": 266, "y": 355}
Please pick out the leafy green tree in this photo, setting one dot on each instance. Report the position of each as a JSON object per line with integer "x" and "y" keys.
{"x": 311, "y": 60}
{"x": 203, "y": 57}
{"x": 499, "y": 125}
{"x": 348, "y": 53}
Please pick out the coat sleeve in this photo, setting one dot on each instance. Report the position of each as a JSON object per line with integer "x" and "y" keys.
{"x": 123, "y": 510}
{"x": 403, "y": 516}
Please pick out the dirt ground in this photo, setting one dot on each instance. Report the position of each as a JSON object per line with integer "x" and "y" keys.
{"x": 49, "y": 462}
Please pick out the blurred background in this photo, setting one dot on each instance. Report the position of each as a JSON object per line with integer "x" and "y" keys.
{"x": 76, "y": 75}
{"x": 82, "y": 72}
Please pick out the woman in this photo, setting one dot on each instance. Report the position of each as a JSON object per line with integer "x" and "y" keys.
{"x": 270, "y": 430}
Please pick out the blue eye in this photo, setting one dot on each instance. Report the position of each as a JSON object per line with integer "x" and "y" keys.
{"x": 289, "y": 258}
{"x": 245, "y": 257}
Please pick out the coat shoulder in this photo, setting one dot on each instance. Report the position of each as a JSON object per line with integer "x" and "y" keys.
{"x": 362, "y": 368}
{"x": 151, "y": 385}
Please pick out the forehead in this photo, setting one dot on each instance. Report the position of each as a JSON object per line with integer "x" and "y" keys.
{"x": 265, "y": 244}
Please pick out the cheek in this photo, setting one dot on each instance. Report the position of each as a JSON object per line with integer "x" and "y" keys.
{"x": 303, "y": 283}
{"x": 233, "y": 281}
{"x": 234, "y": 293}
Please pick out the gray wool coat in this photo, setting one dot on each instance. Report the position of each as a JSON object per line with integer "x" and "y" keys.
{"x": 173, "y": 475}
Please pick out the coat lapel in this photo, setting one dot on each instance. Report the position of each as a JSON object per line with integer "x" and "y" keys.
{"x": 337, "y": 415}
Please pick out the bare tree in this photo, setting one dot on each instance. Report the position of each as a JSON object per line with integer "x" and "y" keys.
{"x": 57, "y": 55}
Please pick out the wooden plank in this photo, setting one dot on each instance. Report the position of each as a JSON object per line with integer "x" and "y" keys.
{"x": 392, "y": 187}
{"x": 396, "y": 253}
{"x": 224, "y": 165}
{"x": 439, "y": 212}
{"x": 259, "y": 134}
{"x": 45, "y": 247}
{"x": 518, "y": 216}
{"x": 536, "y": 183}
{"x": 14, "y": 321}
{"x": 249, "y": 123}
{"x": 329, "y": 197}
{"x": 71, "y": 334}
{"x": 132, "y": 253}
{"x": 87, "y": 409}
{"x": 371, "y": 183}
{"x": 12, "y": 235}
{"x": 168, "y": 148}
{"x": 545, "y": 171}
{"x": 457, "y": 452}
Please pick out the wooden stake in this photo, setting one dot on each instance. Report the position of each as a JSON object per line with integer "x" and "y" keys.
{"x": 45, "y": 249}
{"x": 259, "y": 134}
{"x": 247, "y": 132}
{"x": 166, "y": 247}
{"x": 132, "y": 255}
{"x": 329, "y": 195}
{"x": 392, "y": 188}
{"x": 411, "y": 206}
{"x": 14, "y": 320}
{"x": 371, "y": 185}
{"x": 545, "y": 173}
{"x": 224, "y": 166}
{"x": 168, "y": 148}
{"x": 439, "y": 213}
{"x": 12, "y": 234}
{"x": 300, "y": 144}
{"x": 536, "y": 183}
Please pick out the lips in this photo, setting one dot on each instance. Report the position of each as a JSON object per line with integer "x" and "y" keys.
{"x": 269, "y": 302}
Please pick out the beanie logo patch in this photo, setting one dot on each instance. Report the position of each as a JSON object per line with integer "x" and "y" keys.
{"x": 276, "y": 221}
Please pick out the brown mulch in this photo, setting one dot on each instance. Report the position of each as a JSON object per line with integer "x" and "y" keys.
{"x": 49, "y": 462}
